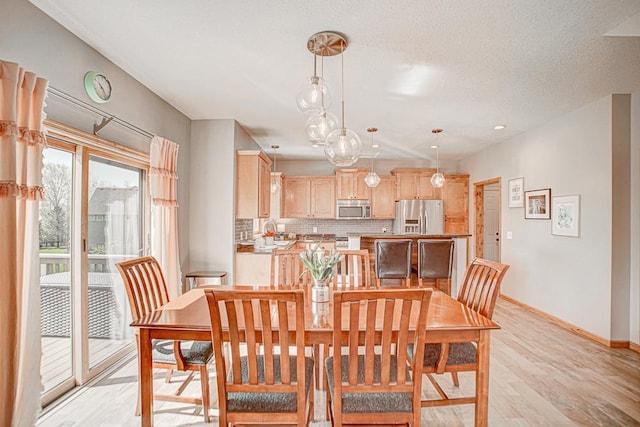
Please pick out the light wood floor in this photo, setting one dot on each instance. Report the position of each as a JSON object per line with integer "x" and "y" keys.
{"x": 541, "y": 375}
{"x": 56, "y": 364}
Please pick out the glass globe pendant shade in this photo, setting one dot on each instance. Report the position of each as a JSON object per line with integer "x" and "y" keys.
{"x": 275, "y": 186}
{"x": 314, "y": 96}
{"x": 319, "y": 125}
{"x": 343, "y": 147}
{"x": 437, "y": 180}
{"x": 372, "y": 179}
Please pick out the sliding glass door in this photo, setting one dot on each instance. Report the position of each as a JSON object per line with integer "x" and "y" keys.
{"x": 114, "y": 234}
{"x": 95, "y": 214}
{"x": 57, "y": 367}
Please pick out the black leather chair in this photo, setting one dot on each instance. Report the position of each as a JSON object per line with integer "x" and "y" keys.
{"x": 435, "y": 262}
{"x": 393, "y": 261}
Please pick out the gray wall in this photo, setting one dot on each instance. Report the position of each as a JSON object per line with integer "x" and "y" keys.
{"x": 39, "y": 44}
{"x": 566, "y": 277}
{"x": 212, "y": 182}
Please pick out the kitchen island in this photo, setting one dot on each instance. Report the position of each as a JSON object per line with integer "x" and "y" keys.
{"x": 460, "y": 253}
{"x": 253, "y": 264}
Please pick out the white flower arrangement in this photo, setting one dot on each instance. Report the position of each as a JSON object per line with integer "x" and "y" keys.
{"x": 319, "y": 264}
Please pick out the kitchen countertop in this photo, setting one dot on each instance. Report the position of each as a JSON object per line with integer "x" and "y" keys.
{"x": 407, "y": 236}
{"x": 248, "y": 246}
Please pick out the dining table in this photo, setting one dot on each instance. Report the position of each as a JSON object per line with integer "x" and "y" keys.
{"x": 187, "y": 318}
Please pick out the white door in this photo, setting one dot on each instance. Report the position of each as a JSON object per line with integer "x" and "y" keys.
{"x": 491, "y": 222}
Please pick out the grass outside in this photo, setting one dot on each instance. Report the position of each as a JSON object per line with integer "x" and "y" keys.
{"x": 54, "y": 251}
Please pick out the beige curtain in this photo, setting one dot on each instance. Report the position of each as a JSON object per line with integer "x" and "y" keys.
{"x": 21, "y": 143}
{"x": 164, "y": 213}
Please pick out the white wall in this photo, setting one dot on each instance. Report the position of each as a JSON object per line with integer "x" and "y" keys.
{"x": 212, "y": 203}
{"x": 39, "y": 44}
{"x": 567, "y": 277}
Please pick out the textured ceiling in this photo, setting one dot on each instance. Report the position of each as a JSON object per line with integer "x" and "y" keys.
{"x": 411, "y": 66}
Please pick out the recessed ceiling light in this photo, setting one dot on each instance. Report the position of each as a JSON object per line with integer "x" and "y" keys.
{"x": 433, "y": 146}
{"x": 376, "y": 146}
{"x": 499, "y": 127}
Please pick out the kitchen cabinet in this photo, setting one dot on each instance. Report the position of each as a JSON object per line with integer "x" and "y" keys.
{"x": 383, "y": 200}
{"x": 309, "y": 197}
{"x": 350, "y": 184}
{"x": 415, "y": 184}
{"x": 455, "y": 194}
{"x": 253, "y": 181}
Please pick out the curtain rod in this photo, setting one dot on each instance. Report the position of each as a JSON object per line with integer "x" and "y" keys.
{"x": 106, "y": 117}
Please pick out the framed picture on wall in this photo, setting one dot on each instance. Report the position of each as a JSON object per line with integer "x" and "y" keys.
{"x": 565, "y": 215}
{"x": 516, "y": 192}
{"x": 537, "y": 204}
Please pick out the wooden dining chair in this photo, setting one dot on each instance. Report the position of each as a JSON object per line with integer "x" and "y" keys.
{"x": 147, "y": 291}
{"x": 375, "y": 386}
{"x": 393, "y": 260}
{"x": 273, "y": 387}
{"x": 287, "y": 269}
{"x": 479, "y": 292}
{"x": 354, "y": 271}
{"x": 435, "y": 263}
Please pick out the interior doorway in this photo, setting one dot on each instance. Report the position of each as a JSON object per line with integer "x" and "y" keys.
{"x": 487, "y": 201}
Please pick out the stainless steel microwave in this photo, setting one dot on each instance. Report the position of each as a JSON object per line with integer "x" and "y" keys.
{"x": 353, "y": 209}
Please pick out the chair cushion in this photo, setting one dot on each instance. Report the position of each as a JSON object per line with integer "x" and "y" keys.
{"x": 460, "y": 353}
{"x": 369, "y": 402}
{"x": 268, "y": 402}
{"x": 194, "y": 352}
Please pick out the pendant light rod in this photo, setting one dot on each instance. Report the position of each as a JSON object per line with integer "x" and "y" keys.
{"x": 437, "y": 179}
{"x": 372, "y": 131}
{"x": 342, "y": 83}
{"x": 437, "y": 132}
{"x": 275, "y": 155}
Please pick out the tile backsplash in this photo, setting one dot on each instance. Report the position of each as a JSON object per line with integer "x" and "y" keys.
{"x": 326, "y": 226}
{"x": 244, "y": 226}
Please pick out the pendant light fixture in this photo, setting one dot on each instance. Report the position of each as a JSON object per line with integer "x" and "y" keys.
{"x": 320, "y": 123}
{"x": 437, "y": 179}
{"x": 372, "y": 179}
{"x": 275, "y": 184}
{"x": 343, "y": 146}
{"x": 316, "y": 93}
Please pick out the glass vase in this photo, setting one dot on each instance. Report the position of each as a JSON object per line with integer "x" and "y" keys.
{"x": 319, "y": 291}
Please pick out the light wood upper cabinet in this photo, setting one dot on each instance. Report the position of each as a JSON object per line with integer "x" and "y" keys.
{"x": 323, "y": 197}
{"x": 253, "y": 180}
{"x": 350, "y": 184}
{"x": 309, "y": 197}
{"x": 383, "y": 200}
{"x": 455, "y": 194}
{"x": 296, "y": 197}
{"x": 415, "y": 184}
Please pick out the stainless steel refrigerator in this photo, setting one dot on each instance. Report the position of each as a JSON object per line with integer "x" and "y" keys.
{"x": 419, "y": 217}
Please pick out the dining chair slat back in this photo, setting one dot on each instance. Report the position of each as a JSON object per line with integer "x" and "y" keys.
{"x": 287, "y": 269}
{"x": 145, "y": 285}
{"x": 376, "y": 382}
{"x": 261, "y": 388}
{"x": 353, "y": 271}
{"x": 481, "y": 285}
